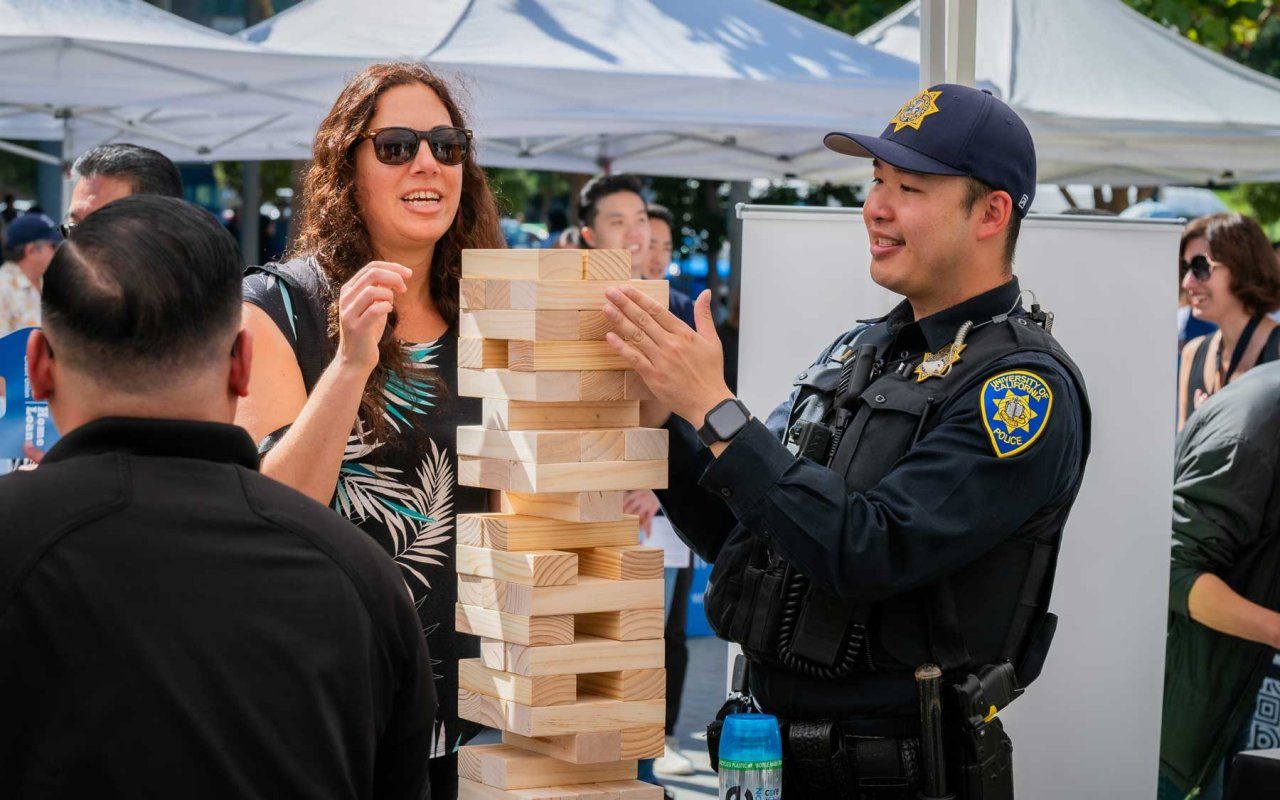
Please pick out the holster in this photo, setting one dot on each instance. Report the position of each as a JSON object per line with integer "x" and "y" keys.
{"x": 984, "y": 755}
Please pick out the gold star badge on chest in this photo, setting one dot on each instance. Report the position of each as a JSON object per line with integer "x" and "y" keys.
{"x": 936, "y": 365}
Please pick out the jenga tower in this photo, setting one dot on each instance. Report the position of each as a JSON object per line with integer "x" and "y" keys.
{"x": 567, "y": 606}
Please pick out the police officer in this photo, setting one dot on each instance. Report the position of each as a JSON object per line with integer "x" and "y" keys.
{"x": 904, "y": 506}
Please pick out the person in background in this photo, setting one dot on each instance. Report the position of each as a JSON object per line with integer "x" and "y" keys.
{"x": 1232, "y": 279}
{"x": 557, "y": 223}
{"x": 111, "y": 171}
{"x": 173, "y": 623}
{"x": 30, "y": 242}
{"x": 1224, "y": 587}
{"x": 10, "y": 212}
{"x": 354, "y": 396}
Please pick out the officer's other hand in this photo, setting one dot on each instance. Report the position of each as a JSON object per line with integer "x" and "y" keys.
{"x": 644, "y": 504}
{"x": 683, "y": 368}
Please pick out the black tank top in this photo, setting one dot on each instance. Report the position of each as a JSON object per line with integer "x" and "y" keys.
{"x": 1195, "y": 381}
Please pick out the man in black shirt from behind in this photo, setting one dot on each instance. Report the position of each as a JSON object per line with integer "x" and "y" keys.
{"x": 172, "y": 623}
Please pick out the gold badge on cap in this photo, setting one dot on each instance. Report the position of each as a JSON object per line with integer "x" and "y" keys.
{"x": 915, "y": 110}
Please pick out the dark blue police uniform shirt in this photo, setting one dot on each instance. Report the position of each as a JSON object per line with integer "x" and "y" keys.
{"x": 941, "y": 507}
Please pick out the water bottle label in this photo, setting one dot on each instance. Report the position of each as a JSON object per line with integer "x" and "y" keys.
{"x": 745, "y": 765}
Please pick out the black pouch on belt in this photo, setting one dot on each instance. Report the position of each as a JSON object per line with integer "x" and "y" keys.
{"x": 815, "y": 753}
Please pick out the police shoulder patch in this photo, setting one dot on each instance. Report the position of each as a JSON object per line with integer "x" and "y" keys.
{"x": 1016, "y": 405}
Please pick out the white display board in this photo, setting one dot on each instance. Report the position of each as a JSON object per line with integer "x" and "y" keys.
{"x": 1090, "y": 726}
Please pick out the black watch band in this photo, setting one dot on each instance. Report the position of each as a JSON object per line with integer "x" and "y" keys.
{"x": 724, "y": 421}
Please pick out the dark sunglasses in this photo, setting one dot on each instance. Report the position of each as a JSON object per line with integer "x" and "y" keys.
{"x": 66, "y": 228}
{"x": 1199, "y": 267}
{"x": 396, "y": 146}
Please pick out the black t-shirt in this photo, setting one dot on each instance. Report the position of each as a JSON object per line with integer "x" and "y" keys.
{"x": 404, "y": 492}
{"x": 174, "y": 624}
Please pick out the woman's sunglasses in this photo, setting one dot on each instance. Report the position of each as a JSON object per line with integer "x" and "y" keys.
{"x": 1198, "y": 266}
{"x": 396, "y": 146}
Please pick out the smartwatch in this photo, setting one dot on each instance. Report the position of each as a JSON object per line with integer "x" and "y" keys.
{"x": 723, "y": 422}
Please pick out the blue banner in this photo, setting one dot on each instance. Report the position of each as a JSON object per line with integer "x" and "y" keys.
{"x": 22, "y": 418}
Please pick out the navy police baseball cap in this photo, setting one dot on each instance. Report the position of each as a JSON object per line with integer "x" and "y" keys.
{"x": 31, "y": 227}
{"x": 949, "y": 129}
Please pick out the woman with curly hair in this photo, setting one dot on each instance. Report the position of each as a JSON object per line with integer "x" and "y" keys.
{"x": 353, "y": 393}
{"x": 1232, "y": 279}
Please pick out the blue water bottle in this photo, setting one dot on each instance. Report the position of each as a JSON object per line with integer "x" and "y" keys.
{"x": 750, "y": 758}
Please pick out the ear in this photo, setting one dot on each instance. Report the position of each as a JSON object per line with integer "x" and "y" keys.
{"x": 588, "y": 236}
{"x": 994, "y": 214}
{"x": 241, "y": 362}
{"x": 40, "y": 365}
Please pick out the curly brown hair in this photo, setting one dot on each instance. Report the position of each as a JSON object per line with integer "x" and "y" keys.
{"x": 1239, "y": 242}
{"x": 331, "y": 230}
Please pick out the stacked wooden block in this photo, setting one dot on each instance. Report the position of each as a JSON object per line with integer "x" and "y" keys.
{"x": 567, "y": 606}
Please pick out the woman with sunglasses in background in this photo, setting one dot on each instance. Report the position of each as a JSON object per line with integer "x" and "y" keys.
{"x": 353, "y": 391}
{"x": 1231, "y": 279}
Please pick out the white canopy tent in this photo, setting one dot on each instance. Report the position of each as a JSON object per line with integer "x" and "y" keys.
{"x": 91, "y": 71}
{"x": 1112, "y": 97}
{"x": 730, "y": 89}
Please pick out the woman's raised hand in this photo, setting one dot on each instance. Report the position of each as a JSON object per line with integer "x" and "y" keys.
{"x": 363, "y": 306}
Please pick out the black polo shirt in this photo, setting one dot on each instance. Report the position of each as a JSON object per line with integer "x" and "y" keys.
{"x": 174, "y": 624}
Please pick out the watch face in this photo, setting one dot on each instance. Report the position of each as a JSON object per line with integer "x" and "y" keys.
{"x": 726, "y": 420}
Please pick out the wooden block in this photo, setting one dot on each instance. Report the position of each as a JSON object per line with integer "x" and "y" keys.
{"x": 634, "y": 387}
{"x": 590, "y": 714}
{"x": 586, "y": 356}
{"x": 482, "y": 353}
{"x": 542, "y": 447}
{"x": 621, "y": 625}
{"x": 512, "y": 627}
{"x": 608, "y": 265}
{"x": 569, "y": 506}
{"x": 523, "y": 263}
{"x": 646, "y": 742}
{"x": 523, "y": 532}
{"x": 522, "y": 415}
{"x": 532, "y": 326}
{"x": 589, "y": 594}
{"x": 628, "y": 563}
{"x": 527, "y": 478}
{"x": 535, "y": 568}
{"x": 543, "y": 387}
{"x": 506, "y": 767}
{"x": 604, "y": 790}
{"x": 627, "y": 684}
{"x": 555, "y": 386}
{"x": 594, "y": 748}
{"x": 540, "y": 690}
{"x": 585, "y": 654}
{"x": 551, "y": 295}
{"x": 593, "y": 325}
{"x": 645, "y": 444}
{"x": 576, "y": 748}
{"x": 471, "y": 294}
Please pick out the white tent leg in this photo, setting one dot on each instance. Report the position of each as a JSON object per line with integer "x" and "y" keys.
{"x": 933, "y": 42}
{"x": 962, "y": 37}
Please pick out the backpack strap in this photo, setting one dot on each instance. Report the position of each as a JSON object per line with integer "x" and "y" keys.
{"x": 304, "y": 292}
